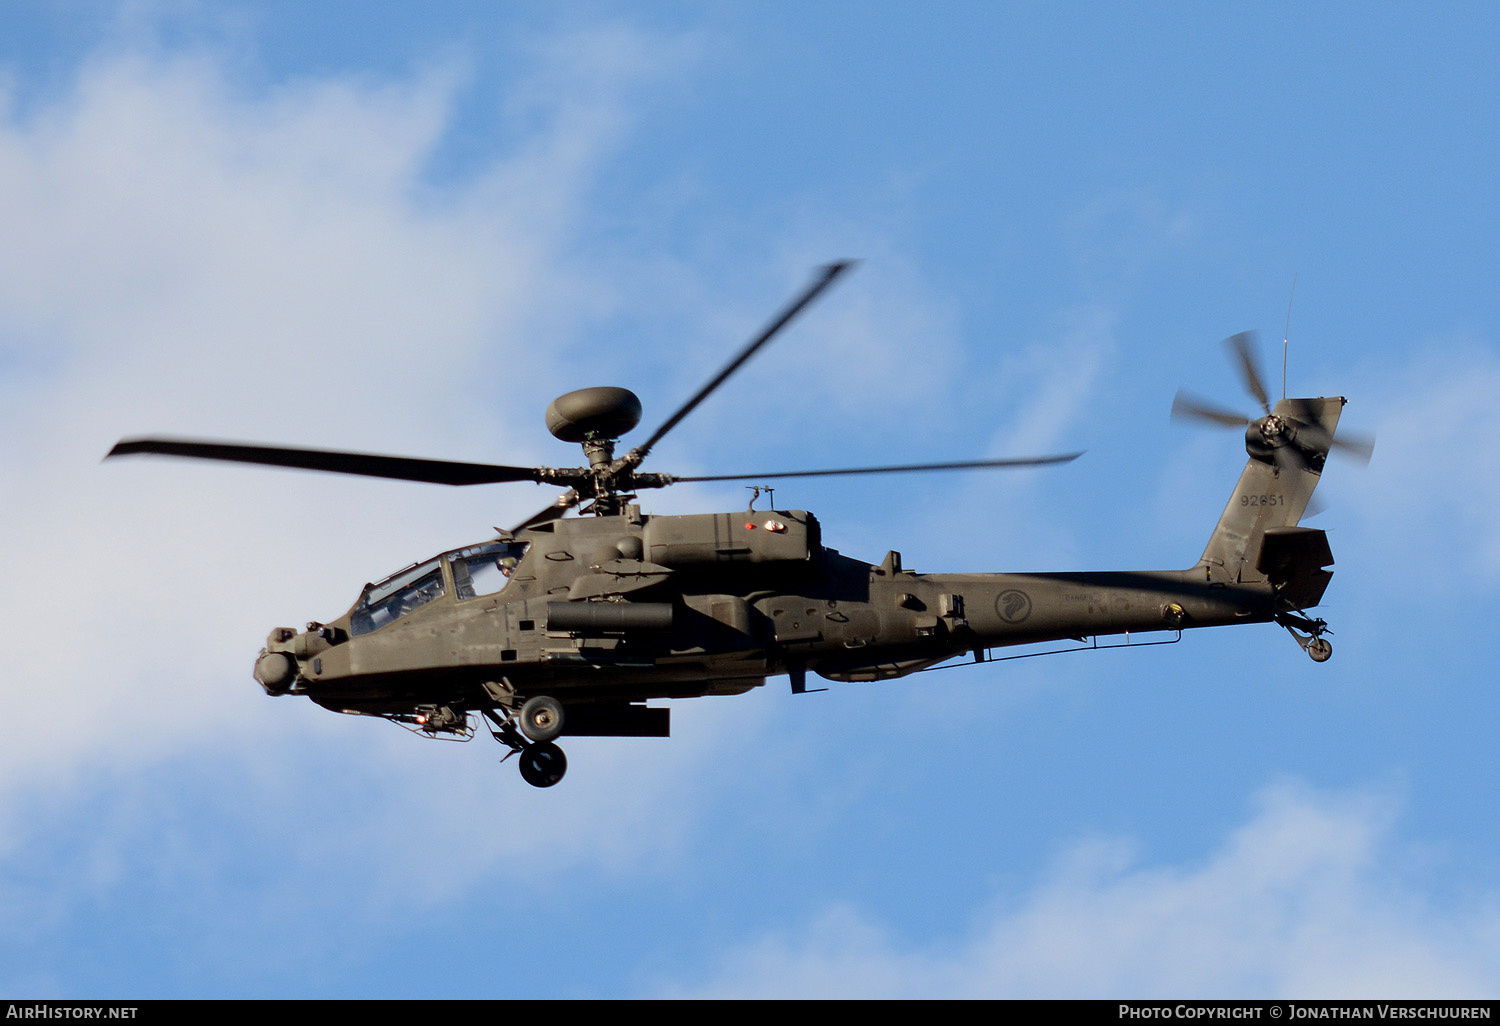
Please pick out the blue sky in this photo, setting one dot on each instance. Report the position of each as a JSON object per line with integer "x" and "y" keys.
{"x": 364, "y": 226}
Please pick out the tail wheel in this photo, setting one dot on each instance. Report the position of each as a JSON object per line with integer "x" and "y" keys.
{"x": 542, "y": 718}
{"x": 1319, "y": 650}
{"x": 543, "y": 765}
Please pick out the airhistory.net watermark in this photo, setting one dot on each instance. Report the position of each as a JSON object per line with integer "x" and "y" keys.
{"x": 48, "y": 1011}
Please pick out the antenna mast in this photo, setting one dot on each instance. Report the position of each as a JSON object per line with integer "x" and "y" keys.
{"x": 1286, "y": 333}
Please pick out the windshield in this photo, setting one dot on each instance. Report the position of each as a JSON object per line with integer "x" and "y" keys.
{"x": 484, "y": 569}
{"x": 396, "y": 596}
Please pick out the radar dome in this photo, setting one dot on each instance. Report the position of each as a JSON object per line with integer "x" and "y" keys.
{"x": 602, "y": 412}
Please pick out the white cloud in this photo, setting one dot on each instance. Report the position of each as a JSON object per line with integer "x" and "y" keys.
{"x": 1307, "y": 899}
{"x": 1437, "y": 462}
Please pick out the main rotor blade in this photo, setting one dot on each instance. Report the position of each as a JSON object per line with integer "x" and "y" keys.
{"x": 1243, "y": 347}
{"x": 1035, "y": 461}
{"x": 1190, "y": 406}
{"x": 780, "y": 321}
{"x": 566, "y": 501}
{"x": 400, "y": 468}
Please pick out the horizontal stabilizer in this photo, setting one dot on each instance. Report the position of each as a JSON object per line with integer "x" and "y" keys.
{"x": 1293, "y": 558}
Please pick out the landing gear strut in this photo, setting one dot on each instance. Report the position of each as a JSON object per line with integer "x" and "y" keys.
{"x": 542, "y": 763}
{"x": 1309, "y": 634}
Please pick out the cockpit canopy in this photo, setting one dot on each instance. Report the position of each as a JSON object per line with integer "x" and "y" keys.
{"x": 471, "y": 572}
{"x": 484, "y": 569}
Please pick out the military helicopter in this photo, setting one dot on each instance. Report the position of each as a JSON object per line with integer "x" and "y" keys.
{"x": 570, "y": 625}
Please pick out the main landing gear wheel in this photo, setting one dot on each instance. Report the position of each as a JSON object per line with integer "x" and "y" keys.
{"x": 1319, "y": 650}
{"x": 543, "y": 765}
{"x": 542, "y": 718}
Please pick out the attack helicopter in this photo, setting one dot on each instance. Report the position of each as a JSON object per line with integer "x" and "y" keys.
{"x": 569, "y": 626}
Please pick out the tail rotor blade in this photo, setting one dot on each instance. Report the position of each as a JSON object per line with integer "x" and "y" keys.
{"x": 1355, "y": 446}
{"x": 1290, "y": 457}
{"x": 1243, "y": 348}
{"x": 1190, "y": 407}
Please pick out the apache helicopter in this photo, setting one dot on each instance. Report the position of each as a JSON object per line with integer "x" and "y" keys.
{"x": 568, "y": 626}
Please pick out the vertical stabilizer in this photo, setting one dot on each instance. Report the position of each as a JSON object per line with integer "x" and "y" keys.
{"x": 1287, "y": 451}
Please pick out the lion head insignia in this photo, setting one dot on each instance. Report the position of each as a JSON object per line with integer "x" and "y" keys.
{"x": 1013, "y": 606}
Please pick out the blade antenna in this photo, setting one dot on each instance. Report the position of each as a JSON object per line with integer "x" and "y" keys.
{"x": 1287, "y": 333}
{"x": 792, "y": 309}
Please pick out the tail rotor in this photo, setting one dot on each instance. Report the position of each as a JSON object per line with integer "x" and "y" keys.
{"x": 1278, "y": 436}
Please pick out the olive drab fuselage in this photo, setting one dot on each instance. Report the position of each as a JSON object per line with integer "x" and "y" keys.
{"x": 607, "y": 612}
{"x": 713, "y": 604}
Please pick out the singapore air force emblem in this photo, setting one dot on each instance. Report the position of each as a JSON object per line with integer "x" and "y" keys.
{"x": 1013, "y": 606}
